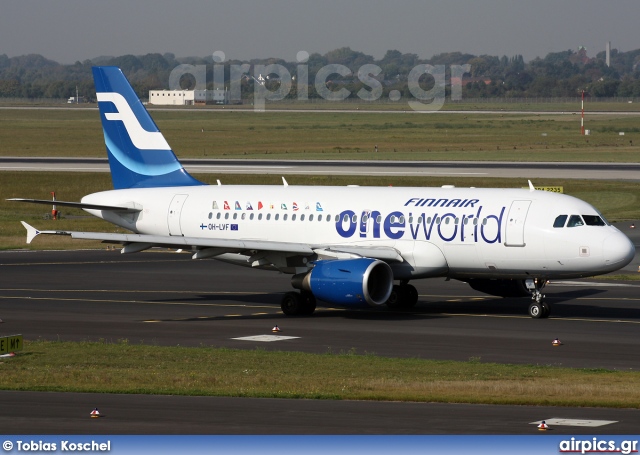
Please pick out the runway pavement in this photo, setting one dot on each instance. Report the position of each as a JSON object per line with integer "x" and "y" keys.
{"x": 165, "y": 298}
{"x": 68, "y": 413}
{"x": 530, "y": 170}
{"x": 276, "y": 109}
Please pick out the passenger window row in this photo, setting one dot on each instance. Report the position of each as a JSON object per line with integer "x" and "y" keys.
{"x": 354, "y": 218}
{"x": 276, "y": 216}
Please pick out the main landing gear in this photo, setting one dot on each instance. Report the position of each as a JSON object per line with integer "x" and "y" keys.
{"x": 403, "y": 297}
{"x": 301, "y": 303}
{"x": 538, "y": 308}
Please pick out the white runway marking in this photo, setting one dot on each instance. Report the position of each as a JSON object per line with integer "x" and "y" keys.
{"x": 575, "y": 422}
{"x": 592, "y": 284}
{"x": 265, "y": 338}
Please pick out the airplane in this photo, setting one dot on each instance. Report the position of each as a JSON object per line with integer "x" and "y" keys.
{"x": 345, "y": 246}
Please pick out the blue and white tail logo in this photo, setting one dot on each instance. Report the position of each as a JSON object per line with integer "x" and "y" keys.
{"x": 139, "y": 155}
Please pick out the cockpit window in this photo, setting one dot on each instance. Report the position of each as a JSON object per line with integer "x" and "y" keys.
{"x": 593, "y": 220}
{"x": 559, "y": 222}
{"x": 574, "y": 221}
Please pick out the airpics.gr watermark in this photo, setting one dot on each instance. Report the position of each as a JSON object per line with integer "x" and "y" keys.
{"x": 421, "y": 99}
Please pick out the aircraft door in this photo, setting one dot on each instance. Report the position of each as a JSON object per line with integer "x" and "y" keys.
{"x": 173, "y": 216}
{"x": 514, "y": 235}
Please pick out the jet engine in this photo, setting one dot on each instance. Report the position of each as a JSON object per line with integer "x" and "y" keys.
{"x": 348, "y": 281}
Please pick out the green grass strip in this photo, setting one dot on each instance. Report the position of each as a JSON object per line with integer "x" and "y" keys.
{"x": 204, "y": 371}
{"x": 338, "y": 136}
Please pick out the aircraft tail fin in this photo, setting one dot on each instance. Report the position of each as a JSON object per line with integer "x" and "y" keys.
{"x": 139, "y": 155}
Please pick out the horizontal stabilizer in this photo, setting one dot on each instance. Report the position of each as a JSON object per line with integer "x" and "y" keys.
{"x": 77, "y": 205}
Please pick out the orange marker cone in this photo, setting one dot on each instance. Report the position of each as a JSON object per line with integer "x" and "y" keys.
{"x": 556, "y": 342}
{"x": 95, "y": 413}
{"x": 543, "y": 426}
{"x": 275, "y": 329}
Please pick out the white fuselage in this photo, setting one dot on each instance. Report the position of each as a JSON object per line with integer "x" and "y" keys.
{"x": 455, "y": 232}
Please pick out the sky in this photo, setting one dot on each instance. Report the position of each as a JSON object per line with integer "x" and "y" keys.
{"x": 75, "y": 30}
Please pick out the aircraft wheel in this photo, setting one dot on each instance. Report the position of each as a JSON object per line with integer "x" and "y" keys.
{"x": 546, "y": 310}
{"x": 292, "y": 304}
{"x": 396, "y": 297}
{"x": 308, "y": 303}
{"x": 536, "y": 310}
{"x": 410, "y": 296}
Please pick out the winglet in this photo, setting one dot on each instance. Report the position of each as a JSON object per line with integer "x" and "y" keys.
{"x": 284, "y": 182}
{"x": 31, "y": 231}
{"x": 531, "y": 187}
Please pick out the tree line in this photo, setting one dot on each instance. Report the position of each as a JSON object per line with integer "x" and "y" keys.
{"x": 558, "y": 74}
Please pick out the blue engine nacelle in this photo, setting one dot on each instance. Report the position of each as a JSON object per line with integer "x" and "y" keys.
{"x": 348, "y": 281}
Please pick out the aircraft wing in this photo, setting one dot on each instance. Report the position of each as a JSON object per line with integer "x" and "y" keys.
{"x": 77, "y": 205}
{"x": 375, "y": 252}
{"x": 174, "y": 241}
{"x": 139, "y": 242}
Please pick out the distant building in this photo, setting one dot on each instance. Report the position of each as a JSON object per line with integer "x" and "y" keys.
{"x": 188, "y": 97}
{"x": 76, "y": 100}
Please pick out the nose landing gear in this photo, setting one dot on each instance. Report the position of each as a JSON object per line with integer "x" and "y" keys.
{"x": 538, "y": 308}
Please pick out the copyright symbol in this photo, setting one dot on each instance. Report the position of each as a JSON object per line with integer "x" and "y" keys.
{"x": 7, "y": 445}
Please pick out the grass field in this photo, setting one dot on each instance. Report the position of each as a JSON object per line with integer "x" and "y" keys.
{"x": 322, "y": 135}
{"x": 121, "y": 367}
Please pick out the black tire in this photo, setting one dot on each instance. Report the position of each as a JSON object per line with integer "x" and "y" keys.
{"x": 292, "y": 304}
{"x": 308, "y": 303}
{"x": 546, "y": 310}
{"x": 536, "y": 310}
{"x": 410, "y": 296}
{"x": 396, "y": 297}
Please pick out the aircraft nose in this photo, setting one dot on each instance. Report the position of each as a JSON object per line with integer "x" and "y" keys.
{"x": 618, "y": 250}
